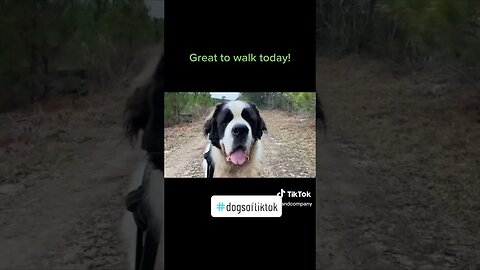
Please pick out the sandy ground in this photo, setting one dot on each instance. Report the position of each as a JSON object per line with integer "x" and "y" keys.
{"x": 63, "y": 179}
{"x": 289, "y": 147}
{"x": 398, "y": 173}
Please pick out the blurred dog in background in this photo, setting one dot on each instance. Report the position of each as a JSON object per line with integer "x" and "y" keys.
{"x": 144, "y": 115}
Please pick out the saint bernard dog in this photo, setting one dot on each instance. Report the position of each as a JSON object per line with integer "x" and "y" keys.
{"x": 234, "y": 130}
{"x": 144, "y": 119}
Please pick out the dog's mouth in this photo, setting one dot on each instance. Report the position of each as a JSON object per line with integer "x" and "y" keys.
{"x": 238, "y": 156}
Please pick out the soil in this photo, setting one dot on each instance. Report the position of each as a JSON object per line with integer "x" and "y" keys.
{"x": 64, "y": 172}
{"x": 397, "y": 172}
{"x": 398, "y": 169}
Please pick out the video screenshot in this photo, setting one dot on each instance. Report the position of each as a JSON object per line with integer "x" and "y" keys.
{"x": 307, "y": 135}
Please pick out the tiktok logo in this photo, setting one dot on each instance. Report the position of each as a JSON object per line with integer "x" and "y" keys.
{"x": 295, "y": 194}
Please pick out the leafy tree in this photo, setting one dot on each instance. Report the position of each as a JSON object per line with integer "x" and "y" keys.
{"x": 417, "y": 31}
{"x": 193, "y": 105}
{"x": 254, "y": 97}
{"x": 39, "y": 37}
{"x": 303, "y": 102}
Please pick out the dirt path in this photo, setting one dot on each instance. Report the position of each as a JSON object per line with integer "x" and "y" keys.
{"x": 289, "y": 147}
{"x": 398, "y": 170}
{"x": 397, "y": 173}
{"x": 63, "y": 184}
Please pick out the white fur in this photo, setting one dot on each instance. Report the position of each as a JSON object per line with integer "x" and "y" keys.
{"x": 252, "y": 168}
{"x": 236, "y": 107}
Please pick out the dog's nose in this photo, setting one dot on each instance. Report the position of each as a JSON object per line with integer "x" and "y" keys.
{"x": 240, "y": 130}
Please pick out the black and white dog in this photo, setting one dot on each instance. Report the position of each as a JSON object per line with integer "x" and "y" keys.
{"x": 144, "y": 113}
{"x": 234, "y": 130}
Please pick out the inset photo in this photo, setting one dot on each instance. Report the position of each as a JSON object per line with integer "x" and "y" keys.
{"x": 240, "y": 134}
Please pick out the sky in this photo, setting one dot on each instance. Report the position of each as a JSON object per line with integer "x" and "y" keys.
{"x": 228, "y": 95}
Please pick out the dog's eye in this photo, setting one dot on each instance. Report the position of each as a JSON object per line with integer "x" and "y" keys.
{"x": 246, "y": 115}
{"x": 226, "y": 119}
{"x": 223, "y": 123}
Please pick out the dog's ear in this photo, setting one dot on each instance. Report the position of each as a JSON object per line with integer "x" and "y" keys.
{"x": 263, "y": 127}
{"x": 152, "y": 140}
{"x": 260, "y": 128}
{"x": 136, "y": 113}
{"x": 143, "y": 111}
{"x": 260, "y": 125}
{"x": 210, "y": 129}
{"x": 207, "y": 127}
{"x": 319, "y": 113}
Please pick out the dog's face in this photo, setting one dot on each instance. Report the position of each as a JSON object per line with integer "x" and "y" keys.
{"x": 234, "y": 127}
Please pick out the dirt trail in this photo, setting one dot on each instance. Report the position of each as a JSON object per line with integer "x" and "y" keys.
{"x": 398, "y": 169}
{"x": 289, "y": 147}
{"x": 397, "y": 173}
{"x": 62, "y": 189}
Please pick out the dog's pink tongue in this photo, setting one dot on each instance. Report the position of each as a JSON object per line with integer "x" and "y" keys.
{"x": 238, "y": 157}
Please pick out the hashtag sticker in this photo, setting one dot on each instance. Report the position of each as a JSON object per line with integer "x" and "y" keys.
{"x": 220, "y": 206}
{"x": 246, "y": 206}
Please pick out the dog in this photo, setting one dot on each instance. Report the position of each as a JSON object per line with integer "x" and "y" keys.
{"x": 234, "y": 130}
{"x": 144, "y": 115}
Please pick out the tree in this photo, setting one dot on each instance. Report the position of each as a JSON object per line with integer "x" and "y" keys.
{"x": 196, "y": 104}
{"x": 39, "y": 37}
{"x": 416, "y": 31}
